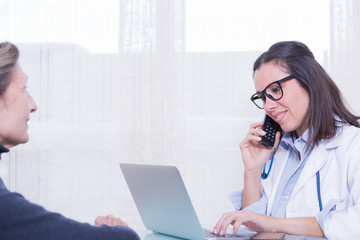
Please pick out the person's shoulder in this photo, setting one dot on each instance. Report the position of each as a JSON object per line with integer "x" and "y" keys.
{"x": 1, "y": 182}
{"x": 348, "y": 135}
{"x": 3, "y": 187}
{"x": 349, "y": 130}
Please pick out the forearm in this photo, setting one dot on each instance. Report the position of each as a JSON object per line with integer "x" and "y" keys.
{"x": 252, "y": 187}
{"x": 299, "y": 226}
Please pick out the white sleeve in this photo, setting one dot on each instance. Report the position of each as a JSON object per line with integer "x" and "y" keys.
{"x": 259, "y": 206}
{"x": 342, "y": 221}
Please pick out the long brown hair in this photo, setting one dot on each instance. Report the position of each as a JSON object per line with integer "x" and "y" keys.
{"x": 9, "y": 55}
{"x": 326, "y": 101}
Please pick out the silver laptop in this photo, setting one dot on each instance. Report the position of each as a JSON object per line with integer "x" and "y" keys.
{"x": 163, "y": 202}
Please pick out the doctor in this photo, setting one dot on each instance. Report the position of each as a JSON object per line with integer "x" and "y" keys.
{"x": 309, "y": 182}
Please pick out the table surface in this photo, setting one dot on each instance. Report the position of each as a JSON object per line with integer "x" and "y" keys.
{"x": 149, "y": 235}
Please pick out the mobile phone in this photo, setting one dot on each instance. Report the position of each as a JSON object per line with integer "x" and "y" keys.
{"x": 270, "y": 127}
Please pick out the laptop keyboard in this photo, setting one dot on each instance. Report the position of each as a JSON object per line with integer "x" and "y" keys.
{"x": 208, "y": 234}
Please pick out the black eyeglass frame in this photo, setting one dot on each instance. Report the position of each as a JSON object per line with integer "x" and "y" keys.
{"x": 255, "y": 96}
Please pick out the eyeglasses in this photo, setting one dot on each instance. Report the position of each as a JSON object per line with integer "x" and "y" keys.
{"x": 273, "y": 91}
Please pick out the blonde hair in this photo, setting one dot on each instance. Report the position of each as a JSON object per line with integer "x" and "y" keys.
{"x": 9, "y": 55}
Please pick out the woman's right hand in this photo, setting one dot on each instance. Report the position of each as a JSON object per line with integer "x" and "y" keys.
{"x": 254, "y": 154}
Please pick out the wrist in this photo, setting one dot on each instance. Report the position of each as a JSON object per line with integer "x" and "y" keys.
{"x": 255, "y": 172}
{"x": 278, "y": 225}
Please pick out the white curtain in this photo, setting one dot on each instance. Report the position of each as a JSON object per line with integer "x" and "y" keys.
{"x": 97, "y": 109}
{"x": 114, "y": 83}
{"x": 345, "y": 49}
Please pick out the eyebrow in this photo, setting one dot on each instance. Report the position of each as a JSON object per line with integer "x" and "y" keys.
{"x": 284, "y": 79}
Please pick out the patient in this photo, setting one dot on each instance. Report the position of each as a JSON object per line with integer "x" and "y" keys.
{"x": 20, "y": 219}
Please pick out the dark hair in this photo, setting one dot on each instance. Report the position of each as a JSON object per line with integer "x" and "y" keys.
{"x": 326, "y": 102}
{"x": 9, "y": 55}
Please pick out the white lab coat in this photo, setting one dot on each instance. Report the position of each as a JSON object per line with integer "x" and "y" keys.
{"x": 338, "y": 160}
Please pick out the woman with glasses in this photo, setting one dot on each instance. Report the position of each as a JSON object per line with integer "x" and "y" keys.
{"x": 309, "y": 182}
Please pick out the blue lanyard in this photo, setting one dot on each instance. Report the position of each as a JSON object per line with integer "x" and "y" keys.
{"x": 318, "y": 190}
{"x": 265, "y": 175}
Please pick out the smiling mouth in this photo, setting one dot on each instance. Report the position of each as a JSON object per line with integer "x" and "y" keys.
{"x": 279, "y": 116}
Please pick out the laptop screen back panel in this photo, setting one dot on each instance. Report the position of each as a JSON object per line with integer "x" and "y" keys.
{"x": 162, "y": 200}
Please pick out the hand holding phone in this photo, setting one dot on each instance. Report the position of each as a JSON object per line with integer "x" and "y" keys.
{"x": 270, "y": 127}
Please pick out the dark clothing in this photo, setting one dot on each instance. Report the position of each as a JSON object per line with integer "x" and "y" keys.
{"x": 3, "y": 149}
{"x": 20, "y": 219}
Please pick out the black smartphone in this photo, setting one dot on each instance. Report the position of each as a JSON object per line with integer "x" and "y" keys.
{"x": 270, "y": 127}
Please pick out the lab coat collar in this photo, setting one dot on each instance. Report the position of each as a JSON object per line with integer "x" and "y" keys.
{"x": 288, "y": 138}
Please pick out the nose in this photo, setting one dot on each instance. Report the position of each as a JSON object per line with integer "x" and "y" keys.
{"x": 269, "y": 104}
{"x": 32, "y": 104}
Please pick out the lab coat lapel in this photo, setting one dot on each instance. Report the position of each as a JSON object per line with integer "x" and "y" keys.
{"x": 316, "y": 160}
{"x": 270, "y": 185}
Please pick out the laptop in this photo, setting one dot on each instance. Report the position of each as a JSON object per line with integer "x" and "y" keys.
{"x": 163, "y": 202}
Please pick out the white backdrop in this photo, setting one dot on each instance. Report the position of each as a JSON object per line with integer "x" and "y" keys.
{"x": 116, "y": 84}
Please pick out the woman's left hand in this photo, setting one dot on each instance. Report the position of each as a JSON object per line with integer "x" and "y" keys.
{"x": 255, "y": 221}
